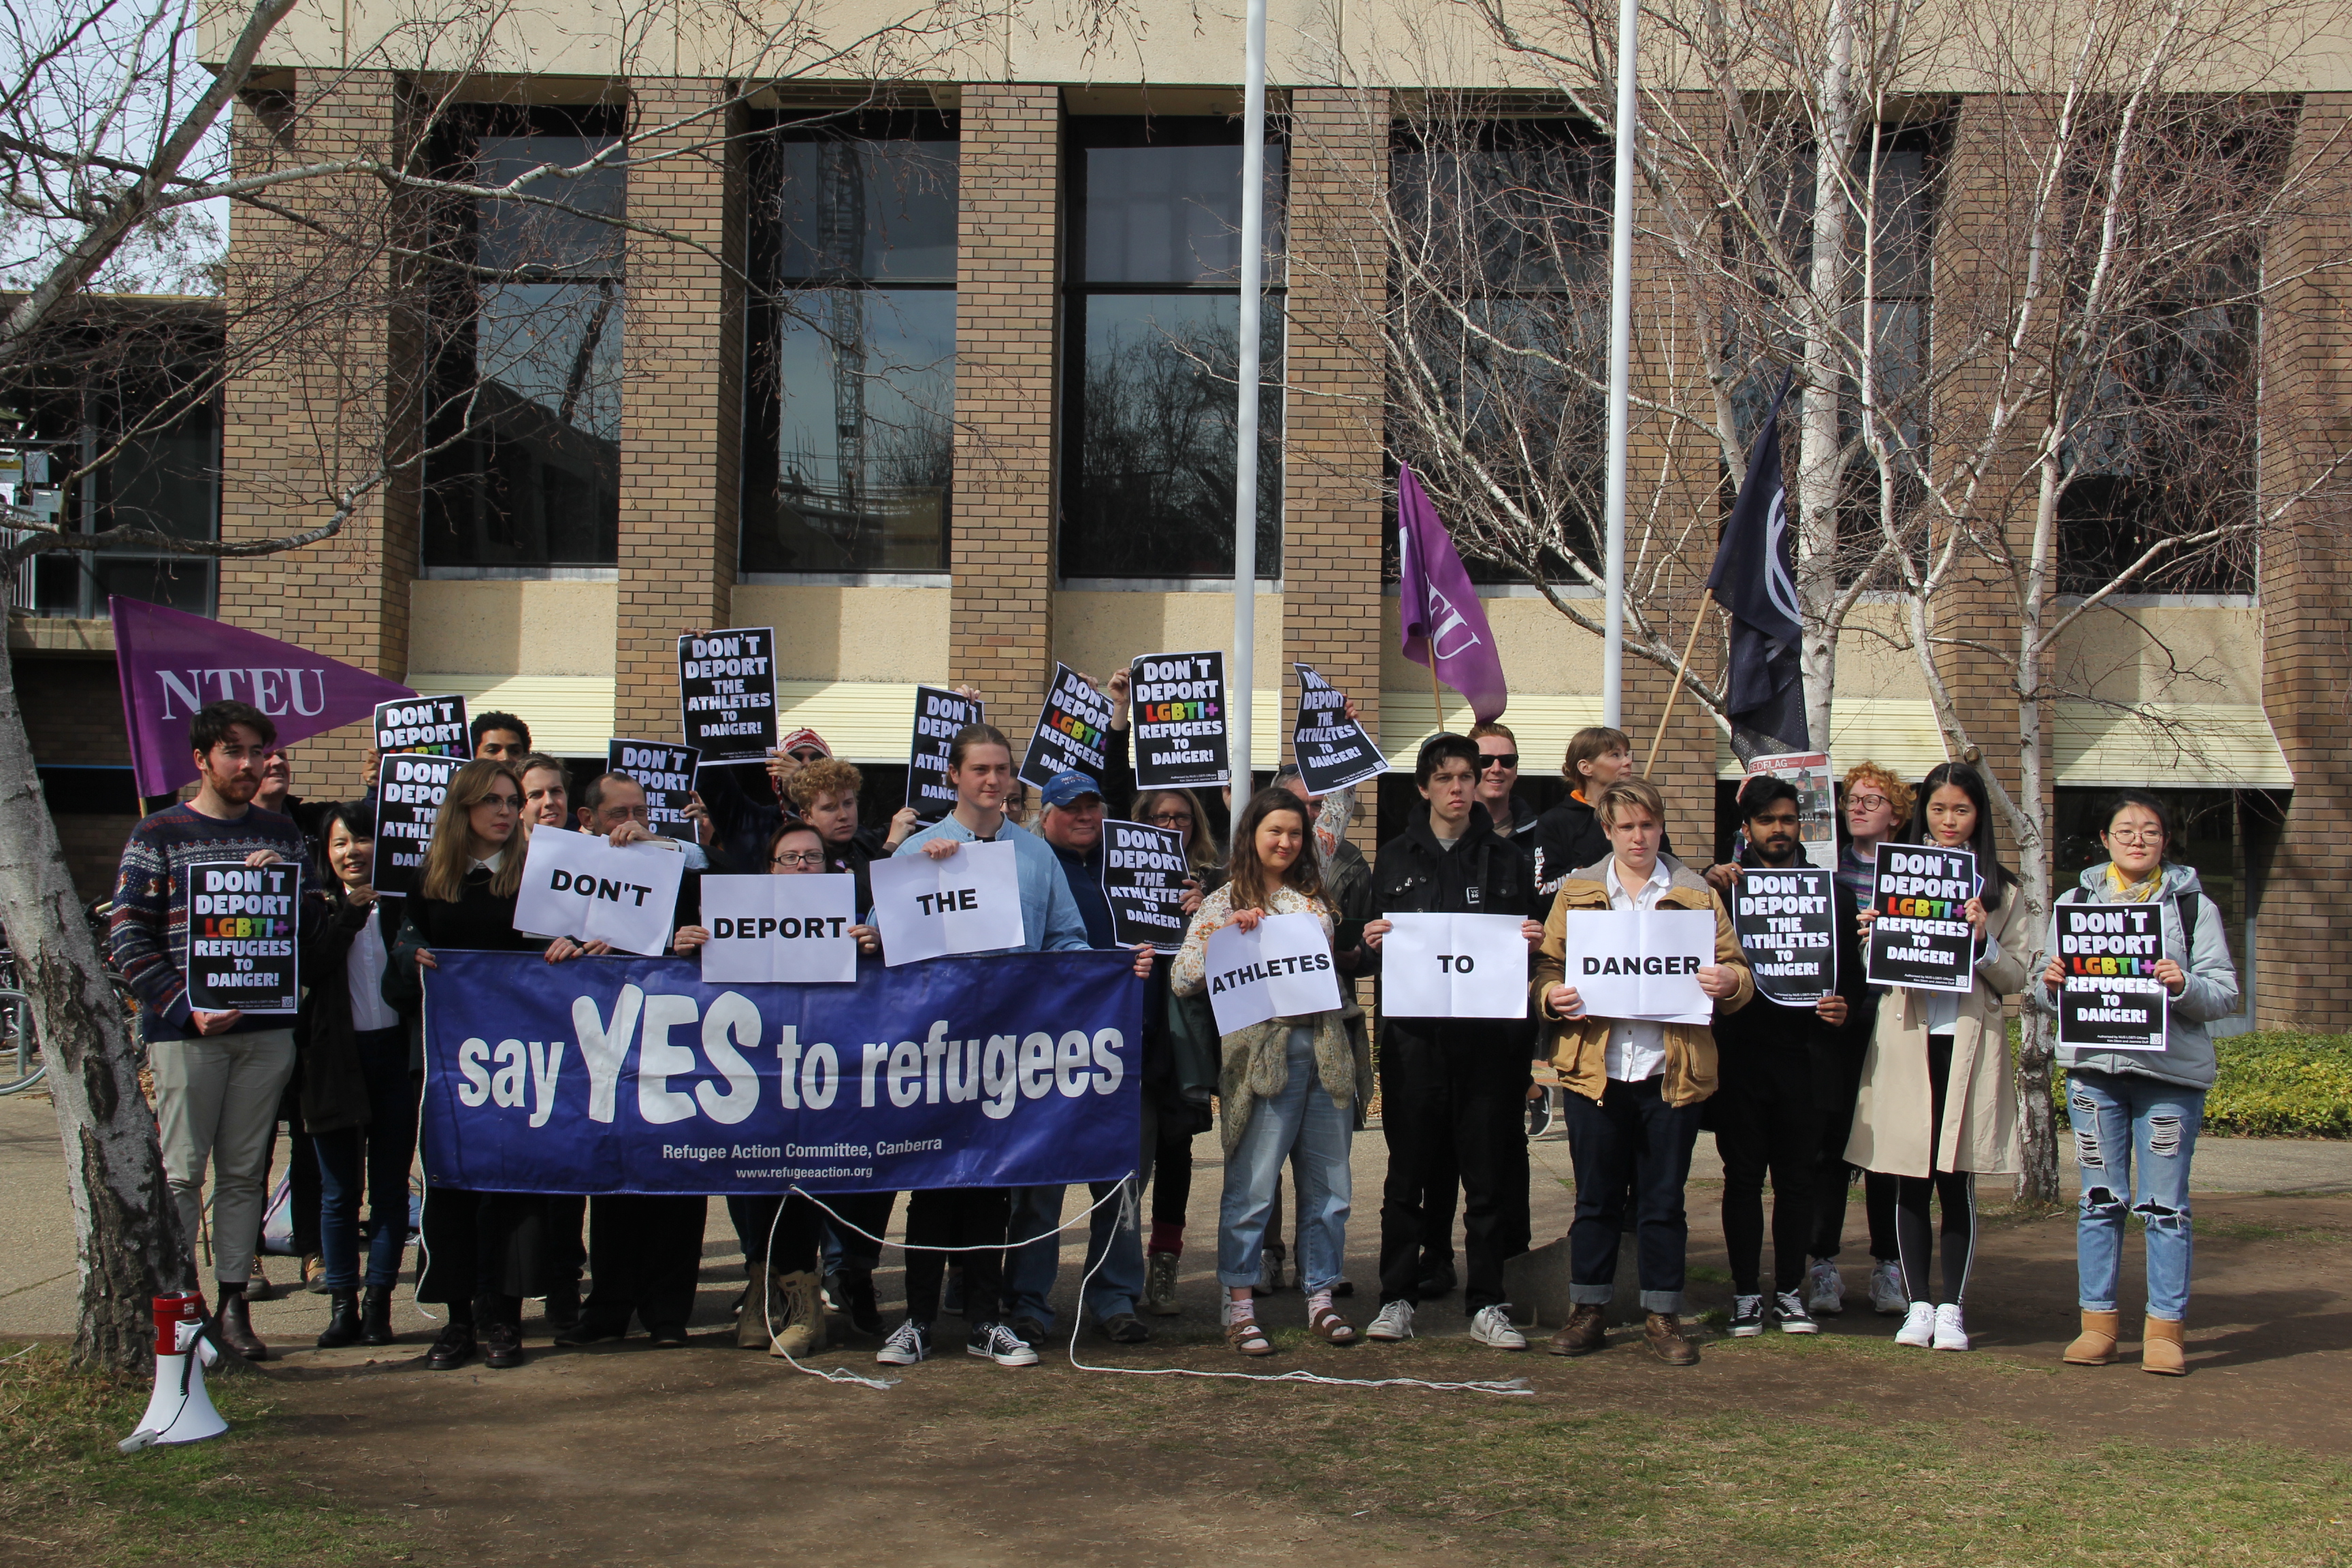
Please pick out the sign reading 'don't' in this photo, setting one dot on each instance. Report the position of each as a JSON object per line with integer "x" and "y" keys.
{"x": 790, "y": 928}
{"x": 578, "y": 885}
{"x": 1144, "y": 881}
{"x": 1179, "y": 721}
{"x": 727, "y": 693}
{"x": 2111, "y": 999}
{"x": 1071, "y": 729}
{"x": 1920, "y": 936}
{"x": 939, "y": 714}
{"x": 434, "y": 726}
{"x": 1453, "y": 966}
{"x": 968, "y": 902}
{"x": 1281, "y": 970}
{"x": 666, "y": 775}
{"x": 1786, "y": 921}
{"x": 409, "y": 790}
{"x": 240, "y": 944}
{"x": 1639, "y": 964}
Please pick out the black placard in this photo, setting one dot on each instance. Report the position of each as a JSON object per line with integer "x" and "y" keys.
{"x": 1071, "y": 729}
{"x": 2111, "y": 998}
{"x": 666, "y": 775}
{"x": 939, "y": 714}
{"x": 1179, "y": 721}
{"x": 1921, "y": 938}
{"x": 1786, "y": 924}
{"x": 727, "y": 693}
{"x": 1332, "y": 749}
{"x": 430, "y": 726}
{"x": 1144, "y": 871}
{"x": 241, "y": 951}
{"x": 408, "y": 793}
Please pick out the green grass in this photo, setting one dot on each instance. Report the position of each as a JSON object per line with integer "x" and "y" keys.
{"x": 2272, "y": 1084}
{"x": 67, "y": 1496}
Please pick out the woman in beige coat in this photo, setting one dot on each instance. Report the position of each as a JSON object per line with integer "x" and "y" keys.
{"x": 1936, "y": 1103}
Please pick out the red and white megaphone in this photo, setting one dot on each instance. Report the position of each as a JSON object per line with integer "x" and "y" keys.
{"x": 179, "y": 1411}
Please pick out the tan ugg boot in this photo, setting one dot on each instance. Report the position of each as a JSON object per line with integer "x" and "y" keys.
{"x": 759, "y": 1301}
{"x": 800, "y": 1315}
{"x": 2096, "y": 1344}
{"x": 2161, "y": 1350}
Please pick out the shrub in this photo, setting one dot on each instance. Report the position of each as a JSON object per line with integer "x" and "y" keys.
{"x": 2274, "y": 1084}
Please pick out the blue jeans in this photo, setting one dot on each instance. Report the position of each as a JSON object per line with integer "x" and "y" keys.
{"x": 1304, "y": 1119}
{"x": 2135, "y": 1134}
{"x": 1113, "y": 1242}
{"x": 378, "y": 1153}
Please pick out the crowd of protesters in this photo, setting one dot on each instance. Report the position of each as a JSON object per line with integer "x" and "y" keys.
{"x": 1906, "y": 1091}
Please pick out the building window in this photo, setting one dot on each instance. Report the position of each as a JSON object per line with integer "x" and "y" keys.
{"x": 525, "y": 312}
{"x": 1152, "y": 341}
{"x": 849, "y": 402}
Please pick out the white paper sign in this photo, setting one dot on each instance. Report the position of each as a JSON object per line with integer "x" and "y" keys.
{"x": 969, "y": 903}
{"x": 789, "y": 929}
{"x": 1453, "y": 966}
{"x": 579, "y": 886}
{"x": 1640, "y": 963}
{"x": 1281, "y": 970}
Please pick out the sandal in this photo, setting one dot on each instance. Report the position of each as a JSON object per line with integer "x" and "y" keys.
{"x": 1331, "y": 1328}
{"x": 1248, "y": 1337}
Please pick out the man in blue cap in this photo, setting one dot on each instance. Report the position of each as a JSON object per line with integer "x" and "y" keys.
{"x": 1072, "y": 825}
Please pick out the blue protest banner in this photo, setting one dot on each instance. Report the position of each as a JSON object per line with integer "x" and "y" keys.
{"x": 630, "y": 1075}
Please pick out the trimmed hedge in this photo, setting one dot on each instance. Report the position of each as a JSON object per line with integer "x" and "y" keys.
{"x": 2274, "y": 1085}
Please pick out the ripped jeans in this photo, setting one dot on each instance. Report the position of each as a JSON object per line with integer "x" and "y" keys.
{"x": 2134, "y": 1134}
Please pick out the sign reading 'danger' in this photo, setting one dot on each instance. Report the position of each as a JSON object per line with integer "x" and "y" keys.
{"x": 2111, "y": 999}
{"x": 1332, "y": 749}
{"x": 968, "y": 902}
{"x": 666, "y": 775}
{"x": 1281, "y": 970}
{"x": 1921, "y": 937}
{"x": 432, "y": 725}
{"x": 793, "y": 928}
{"x": 939, "y": 714}
{"x": 1786, "y": 924}
{"x": 1071, "y": 729}
{"x": 408, "y": 793}
{"x": 1453, "y": 966}
{"x": 727, "y": 693}
{"x": 578, "y": 885}
{"x": 1640, "y": 963}
{"x": 1180, "y": 719}
{"x": 240, "y": 944}
{"x": 1144, "y": 873}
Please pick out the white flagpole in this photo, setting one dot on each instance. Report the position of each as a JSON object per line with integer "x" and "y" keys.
{"x": 1239, "y": 676}
{"x": 1620, "y": 346}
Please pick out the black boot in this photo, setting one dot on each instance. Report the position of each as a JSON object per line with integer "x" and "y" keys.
{"x": 454, "y": 1346}
{"x": 343, "y": 1320}
{"x": 235, "y": 1324}
{"x": 376, "y": 1315}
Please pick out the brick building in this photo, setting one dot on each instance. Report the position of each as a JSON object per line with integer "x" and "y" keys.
{"x": 925, "y": 379}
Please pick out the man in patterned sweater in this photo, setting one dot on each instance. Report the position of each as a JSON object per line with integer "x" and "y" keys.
{"x": 218, "y": 1075}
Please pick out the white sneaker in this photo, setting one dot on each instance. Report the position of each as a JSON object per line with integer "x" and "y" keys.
{"x": 1918, "y": 1329}
{"x": 1888, "y": 1296}
{"x": 1492, "y": 1326}
{"x": 1949, "y": 1333}
{"x": 1824, "y": 1290}
{"x": 1393, "y": 1322}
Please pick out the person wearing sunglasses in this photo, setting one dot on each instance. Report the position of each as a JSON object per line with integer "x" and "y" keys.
{"x": 1498, "y": 780}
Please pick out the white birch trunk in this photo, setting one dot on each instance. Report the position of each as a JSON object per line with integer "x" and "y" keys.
{"x": 1820, "y": 481}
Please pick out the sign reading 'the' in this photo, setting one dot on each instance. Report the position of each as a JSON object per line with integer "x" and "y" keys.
{"x": 968, "y": 902}
{"x": 666, "y": 775}
{"x": 1144, "y": 873}
{"x": 2111, "y": 999}
{"x": 1179, "y": 721}
{"x": 1281, "y": 970}
{"x": 579, "y": 886}
{"x": 1453, "y": 966}
{"x": 1920, "y": 936}
{"x": 433, "y": 726}
{"x": 789, "y": 929}
{"x": 1071, "y": 729}
{"x": 408, "y": 793}
{"x": 727, "y": 693}
{"x": 939, "y": 714}
{"x": 1786, "y": 924}
{"x": 1639, "y": 964}
{"x": 1332, "y": 749}
{"x": 240, "y": 945}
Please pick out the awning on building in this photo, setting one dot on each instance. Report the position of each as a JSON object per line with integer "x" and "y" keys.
{"x": 569, "y": 715}
{"x": 1541, "y": 723}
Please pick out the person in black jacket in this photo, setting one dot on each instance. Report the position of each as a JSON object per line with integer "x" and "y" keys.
{"x": 823, "y": 794}
{"x": 1457, "y": 1085}
{"x": 1569, "y": 836}
{"x": 1766, "y": 1113}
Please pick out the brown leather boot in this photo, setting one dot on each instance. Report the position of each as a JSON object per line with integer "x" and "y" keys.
{"x": 2161, "y": 1350}
{"x": 1663, "y": 1333}
{"x": 752, "y": 1321}
{"x": 2095, "y": 1346}
{"x": 1584, "y": 1333}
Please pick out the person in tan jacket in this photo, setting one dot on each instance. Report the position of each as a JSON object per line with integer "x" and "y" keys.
{"x": 1936, "y": 1103}
{"x": 1634, "y": 1085}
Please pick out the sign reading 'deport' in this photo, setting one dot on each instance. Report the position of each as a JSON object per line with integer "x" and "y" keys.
{"x": 1453, "y": 966}
{"x": 1179, "y": 721}
{"x": 1921, "y": 937}
{"x": 793, "y": 928}
{"x": 1071, "y": 729}
{"x": 240, "y": 945}
{"x": 1144, "y": 873}
{"x": 1332, "y": 749}
{"x": 969, "y": 903}
{"x": 408, "y": 792}
{"x": 727, "y": 693}
{"x": 666, "y": 775}
{"x": 2111, "y": 999}
{"x": 579, "y": 886}
{"x": 1639, "y": 964}
{"x": 939, "y": 714}
{"x": 1281, "y": 970}
{"x": 433, "y": 726}
{"x": 1786, "y": 924}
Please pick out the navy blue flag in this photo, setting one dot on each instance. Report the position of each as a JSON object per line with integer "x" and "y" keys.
{"x": 1754, "y": 578}
{"x": 611, "y": 1075}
